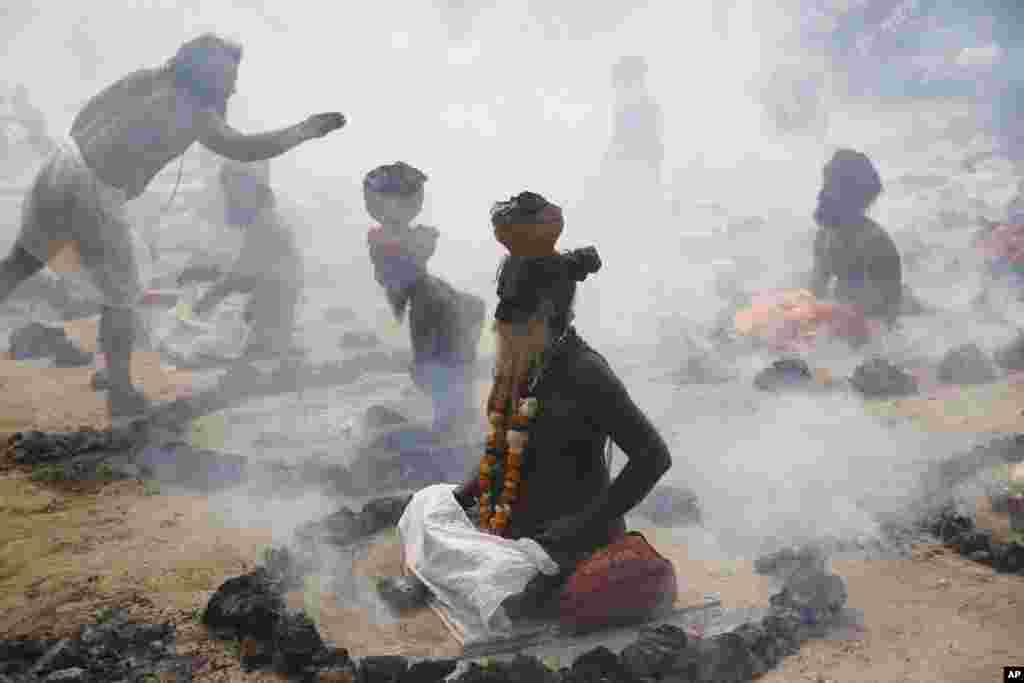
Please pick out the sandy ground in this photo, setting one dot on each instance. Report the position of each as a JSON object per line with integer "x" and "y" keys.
{"x": 996, "y": 407}
{"x": 27, "y": 399}
{"x": 68, "y": 551}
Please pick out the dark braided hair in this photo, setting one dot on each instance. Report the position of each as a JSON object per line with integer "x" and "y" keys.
{"x": 527, "y": 285}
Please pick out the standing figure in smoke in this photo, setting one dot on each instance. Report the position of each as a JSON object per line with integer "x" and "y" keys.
{"x": 720, "y": 17}
{"x": 120, "y": 141}
{"x": 850, "y": 247}
{"x": 22, "y": 113}
{"x": 269, "y": 267}
{"x": 627, "y": 189}
{"x": 33, "y": 120}
{"x": 637, "y": 130}
{"x": 83, "y": 46}
{"x": 445, "y": 325}
{"x": 543, "y": 482}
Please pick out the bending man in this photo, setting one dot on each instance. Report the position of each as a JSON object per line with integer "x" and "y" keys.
{"x": 120, "y": 141}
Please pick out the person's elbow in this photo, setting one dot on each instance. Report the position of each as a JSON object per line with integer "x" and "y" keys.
{"x": 664, "y": 464}
{"x": 661, "y": 463}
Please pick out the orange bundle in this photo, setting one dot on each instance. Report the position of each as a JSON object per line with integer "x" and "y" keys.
{"x": 791, "y": 320}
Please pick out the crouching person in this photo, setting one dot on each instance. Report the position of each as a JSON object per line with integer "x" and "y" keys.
{"x": 505, "y": 543}
{"x": 851, "y": 248}
{"x": 269, "y": 267}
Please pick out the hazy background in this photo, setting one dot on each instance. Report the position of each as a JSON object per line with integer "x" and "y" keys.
{"x": 518, "y": 101}
{"x": 516, "y": 95}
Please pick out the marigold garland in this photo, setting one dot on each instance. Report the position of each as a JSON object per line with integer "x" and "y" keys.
{"x": 502, "y": 462}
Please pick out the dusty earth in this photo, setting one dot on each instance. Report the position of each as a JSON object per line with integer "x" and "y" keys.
{"x": 70, "y": 550}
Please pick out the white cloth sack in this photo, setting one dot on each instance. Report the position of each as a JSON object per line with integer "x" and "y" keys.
{"x": 469, "y": 572}
{"x": 189, "y": 338}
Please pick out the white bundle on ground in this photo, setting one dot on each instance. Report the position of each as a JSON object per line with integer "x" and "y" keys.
{"x": 189, "y": 339}
{"x": 468, "y": 571}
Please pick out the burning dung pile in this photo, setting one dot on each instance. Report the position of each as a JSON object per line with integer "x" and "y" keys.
{"x": 878, "y": 378}
{"x": 89, "y": 454}
{"x": 345, "y": 527}
{"x": 251, "y": 609}
{"x": 808, "y": 588}
{"x": 783, "y": 374}
{"x": 37, "y": 448}
{"x": 965, "y": 365}
{"x": 115, "y": 649}
{"x": 958, "y": 531}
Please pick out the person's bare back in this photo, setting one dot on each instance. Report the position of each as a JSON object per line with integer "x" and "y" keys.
{"x": 132, "y": 129}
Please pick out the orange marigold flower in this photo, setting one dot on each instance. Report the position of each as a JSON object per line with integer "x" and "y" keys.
{"x": 519, "y": 421}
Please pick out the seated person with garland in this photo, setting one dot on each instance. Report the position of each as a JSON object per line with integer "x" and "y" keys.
{"x": 543, "y": 483}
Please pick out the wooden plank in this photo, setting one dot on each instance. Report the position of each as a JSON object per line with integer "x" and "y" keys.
{"x": 552, "y": 636}
{"x": 543, "y": 633}
{"x": 457, "y": 633}
{"x": 549, "y": 633}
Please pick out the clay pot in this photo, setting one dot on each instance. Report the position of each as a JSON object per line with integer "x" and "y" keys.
{"x": 529, "y": 241}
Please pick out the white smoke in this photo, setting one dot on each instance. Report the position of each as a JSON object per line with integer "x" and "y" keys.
{"x": 493, "y": 99}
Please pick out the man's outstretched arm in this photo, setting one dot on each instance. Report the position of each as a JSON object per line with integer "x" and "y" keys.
{"x": 216, "y": 135}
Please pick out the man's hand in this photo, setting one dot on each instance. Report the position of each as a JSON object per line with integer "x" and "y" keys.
{"x": 197, "y": 273}
{"x": 200, "y": 308}
{"x": 319, "y": 125}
